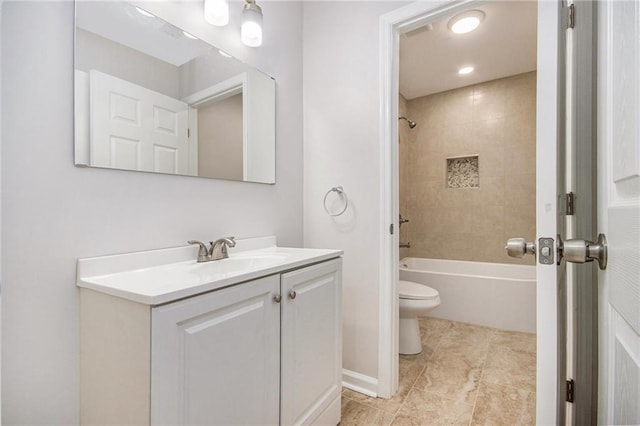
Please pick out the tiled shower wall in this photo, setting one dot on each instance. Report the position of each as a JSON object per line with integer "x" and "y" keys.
{"x": 494, "y": 120}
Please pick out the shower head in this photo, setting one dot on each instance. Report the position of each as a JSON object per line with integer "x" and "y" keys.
{"x": 412, "y": 124}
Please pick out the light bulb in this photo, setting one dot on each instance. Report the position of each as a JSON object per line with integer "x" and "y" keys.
{"x": 251, "y": 31}
{"x": 216, "y": 12}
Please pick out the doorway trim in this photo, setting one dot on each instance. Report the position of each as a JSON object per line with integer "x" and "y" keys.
{"x": 392, "y": 25}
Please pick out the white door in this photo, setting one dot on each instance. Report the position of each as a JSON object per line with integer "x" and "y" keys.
{"x": 312, "y": 344}
{"x": 619, "y": 210}
{"x": 136, "y": 128}
{"x": 215, "y": 358}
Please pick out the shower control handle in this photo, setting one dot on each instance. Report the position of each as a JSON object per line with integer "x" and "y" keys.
{"x": 518, "y": 247}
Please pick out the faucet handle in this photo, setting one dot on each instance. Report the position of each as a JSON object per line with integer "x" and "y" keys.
{"x": 203, "y": 252}
{"x": 218, "y": 249}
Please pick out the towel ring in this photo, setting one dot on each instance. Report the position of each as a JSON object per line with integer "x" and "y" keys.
{"x": 341, "y": 193}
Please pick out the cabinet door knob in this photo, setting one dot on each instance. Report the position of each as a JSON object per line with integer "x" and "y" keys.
{"x": 292, "y": 295}
{"x": 277, "y": 298}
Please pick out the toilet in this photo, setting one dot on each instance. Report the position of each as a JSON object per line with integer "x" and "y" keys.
{"x": 415, "y": 300}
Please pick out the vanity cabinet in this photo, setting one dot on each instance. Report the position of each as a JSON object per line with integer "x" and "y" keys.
{"x": 215, "y": 358}
{"x": 311, "y": 344}
{"x": 266, "y": 351}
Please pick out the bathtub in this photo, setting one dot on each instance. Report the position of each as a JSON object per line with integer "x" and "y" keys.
{"x": 491, "y": 294}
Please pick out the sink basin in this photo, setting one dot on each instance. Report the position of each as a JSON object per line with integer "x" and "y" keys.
{"x": 239, "y": 263}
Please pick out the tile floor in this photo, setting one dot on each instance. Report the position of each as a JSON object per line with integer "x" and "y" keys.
{"x": 465, "y": 375}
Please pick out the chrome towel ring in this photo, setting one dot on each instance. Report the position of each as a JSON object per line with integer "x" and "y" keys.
{"x": 342, "y": 194}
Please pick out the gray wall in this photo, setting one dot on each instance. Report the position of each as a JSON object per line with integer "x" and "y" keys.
{"x": 342, "y": 147}
{"x": 117, "y": 60}
{"x": 55, "y": 213}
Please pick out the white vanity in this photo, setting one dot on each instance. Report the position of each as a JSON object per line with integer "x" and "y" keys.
{"x": 252, "y": 339}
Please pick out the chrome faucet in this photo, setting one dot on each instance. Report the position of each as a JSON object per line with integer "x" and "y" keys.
{"x": 217, "y": 250}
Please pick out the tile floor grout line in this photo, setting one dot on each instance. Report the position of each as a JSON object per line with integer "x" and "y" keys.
{"x": 484, "y": 364}
{"x": 421, "y": 372}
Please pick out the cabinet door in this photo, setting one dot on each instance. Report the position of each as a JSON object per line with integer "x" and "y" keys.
{"x": 215, "y": 358}
{"x": 311, "y": 342}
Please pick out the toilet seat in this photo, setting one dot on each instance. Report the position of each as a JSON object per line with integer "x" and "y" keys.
{"x": 415, "y": 291}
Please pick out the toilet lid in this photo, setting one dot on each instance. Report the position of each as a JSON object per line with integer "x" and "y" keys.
{"x": 411, "y": 290}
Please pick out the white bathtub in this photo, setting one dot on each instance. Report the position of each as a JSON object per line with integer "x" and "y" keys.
{"x": 492, "y": 294}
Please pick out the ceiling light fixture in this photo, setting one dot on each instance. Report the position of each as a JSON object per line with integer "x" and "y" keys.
{"x": 216, "y": 12}
{"x": 465, "y": 70}
{"x": 251, "y": 32}
{"x": 466, "y": 22}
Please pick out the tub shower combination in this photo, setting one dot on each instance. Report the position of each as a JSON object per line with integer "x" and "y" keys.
{"x": 490, "y": 294}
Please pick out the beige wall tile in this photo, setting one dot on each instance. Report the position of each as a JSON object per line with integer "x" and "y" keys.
{"x": 495, "y": 120}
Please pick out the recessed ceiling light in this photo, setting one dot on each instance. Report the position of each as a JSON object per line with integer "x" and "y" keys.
{"x": 465, "y": 70}
{"x": 192, "y": 37}
{"x": 144, "y": 12}
{"x": 466, "y": 22}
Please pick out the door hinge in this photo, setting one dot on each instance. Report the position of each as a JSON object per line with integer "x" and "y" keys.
{"x": 570, "y": 390}
{"x": 572, "y": 16}
{"x": 391, "y": 229}
{"x": 567, "y": 204}
{"x": 188, "y": 133}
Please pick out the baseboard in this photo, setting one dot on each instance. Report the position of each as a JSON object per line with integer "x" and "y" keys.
{"x": 360, "y": 383}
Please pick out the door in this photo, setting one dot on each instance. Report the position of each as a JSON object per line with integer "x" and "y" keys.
{"x": 312, "y": 344}
{"x": 136, "y": 128}
{"x": 215, "y": 358}
{"x": 619, "y": 210}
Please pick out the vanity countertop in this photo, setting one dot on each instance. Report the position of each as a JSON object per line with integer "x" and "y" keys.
{"x": 162, "y": 276}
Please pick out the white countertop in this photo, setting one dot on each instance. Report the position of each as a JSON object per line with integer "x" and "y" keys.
{"x": 162, "y": 276}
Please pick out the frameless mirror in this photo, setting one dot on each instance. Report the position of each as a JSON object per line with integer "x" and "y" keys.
{"x": 152, "y": 97}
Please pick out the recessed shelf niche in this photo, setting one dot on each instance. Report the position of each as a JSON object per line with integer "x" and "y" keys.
{"x": 463, "y": 172}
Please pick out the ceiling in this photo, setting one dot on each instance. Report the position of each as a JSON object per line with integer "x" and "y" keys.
{"x": 504, "y": 44}
{"x": 122, "y": 23}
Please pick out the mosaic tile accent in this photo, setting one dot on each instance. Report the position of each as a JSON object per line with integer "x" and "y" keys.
{"x": 462, "y": 172}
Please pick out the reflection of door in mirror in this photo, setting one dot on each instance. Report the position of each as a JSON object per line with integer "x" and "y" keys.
{"x": 136, "y": 128}
{"x": 152, "y": 97}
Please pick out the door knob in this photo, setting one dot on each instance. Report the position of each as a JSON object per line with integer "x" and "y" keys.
{"x": 518, "y": 247}
{"x": 581, "y": 251}
{"x": 292, "y": 295}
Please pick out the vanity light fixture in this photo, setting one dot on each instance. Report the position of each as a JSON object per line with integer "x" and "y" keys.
{"x": 216, "y": 12}
{"x": 251, "y": 32}
{"x": 465, "y": 70}
{"x": 466, "y": 22}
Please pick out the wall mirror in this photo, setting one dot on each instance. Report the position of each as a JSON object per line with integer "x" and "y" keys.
{"x": 154, "y": 98}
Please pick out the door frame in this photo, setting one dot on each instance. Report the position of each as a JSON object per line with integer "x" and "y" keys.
{"x": 549, "y": 131}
